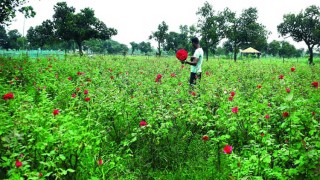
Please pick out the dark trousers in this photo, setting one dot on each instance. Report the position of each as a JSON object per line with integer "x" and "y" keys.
{"x": 194, "y": 77}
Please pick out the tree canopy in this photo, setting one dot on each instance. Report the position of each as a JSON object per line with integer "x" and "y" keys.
{"x": 8, "y": 10}
{"x": 160, "y": 35}
{"x": 304, "y": 26}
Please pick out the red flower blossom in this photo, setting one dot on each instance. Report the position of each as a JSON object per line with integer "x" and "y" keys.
{"x": 207, "y": 73}
{"x": 193, "y": 93}
{"x": 8, "y": 96}
{"x": 69, "y": 78}
{"x": 262, "y": 134}
{"x": 100, "y": 162}
{"x": 233, "y": 93}
{"x": 267, "y": 116}
{"x": 315, "y": 84}
{"x": 85, "y": 91}
{"x": 182, "y": 54}
{"x": 73, "y": 95}
{"x": 173, "y": 75}
{"x": 80, "y": 73}
{"x": 230, "y": 98}
{"x": 111, "y": 77}
{"x": 288, "y": 90}
{"x": 55, "y": 112}
{"x": 235, "y": 110}
{"x": 87, "y": 99}
{"x": 227, "y": 149}
{"x": 18, "y": 163}
{"x": 285, "y": 114}
{"x": 259, "y": 86}
{"x": 143, "y": 123}
{"x": 40, "y": 174}
{"x": 182, "y": 66}
{"x": 77, "y": 89}
{"x": 205, "y": 137}
{"x": 281, "y": 76}
{"x": 293, "y": 69}
{"x": 159, "y": 76}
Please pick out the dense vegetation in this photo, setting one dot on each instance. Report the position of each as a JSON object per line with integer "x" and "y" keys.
{"x": 112, "y": 117}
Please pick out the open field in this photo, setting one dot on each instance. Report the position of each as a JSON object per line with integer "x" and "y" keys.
{"x": 105, "y": 117}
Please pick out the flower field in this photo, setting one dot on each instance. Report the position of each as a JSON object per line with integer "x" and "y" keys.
{"x": 112, "y": 117}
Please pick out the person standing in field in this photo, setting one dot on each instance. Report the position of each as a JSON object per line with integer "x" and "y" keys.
{"x": 195, "y": 61}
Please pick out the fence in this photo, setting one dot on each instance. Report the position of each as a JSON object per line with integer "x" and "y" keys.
{"x": 32, "y": 53}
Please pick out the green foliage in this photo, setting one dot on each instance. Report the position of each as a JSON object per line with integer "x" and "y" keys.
{"x": 303, "y": 26}
{"x": 41, "y": 35}
{"x": 101, "y": 138}
{"x": 8, "y": 10}
{"x": 160, "y": 35}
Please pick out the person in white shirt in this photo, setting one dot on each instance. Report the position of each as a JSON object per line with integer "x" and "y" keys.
{"x": 195, "y": 61}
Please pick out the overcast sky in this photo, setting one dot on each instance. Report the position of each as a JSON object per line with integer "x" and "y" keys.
{"x": 136, "y": 19}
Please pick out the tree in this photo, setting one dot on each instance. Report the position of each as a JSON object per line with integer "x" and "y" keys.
{"x": 208, "y": 28}
{"x": 243, "y": 31}
{"x": 79, "y": 27}
{"x": 287, "y": 50}
{"x": 160, "y": 35}
{"x": 145, "y": 47}
{"x": 41, "y": 35}
{"x": 114, "y": 47}
{"x": 134, "y": 46}
{"x": 13, "y": 37}
{"x": 3, "y": 38}
{"x": 303, "y": 27}
{"x": 8, "y": 10}
{"x": 274, "y": 48}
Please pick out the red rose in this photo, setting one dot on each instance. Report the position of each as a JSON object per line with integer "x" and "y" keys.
{"x": 143, "y": 123}
{"x": 207, "y": 73}
{"x": 73, "y": 95}
{"x": 293, "y": 69}
{"x": 193, "y": 93}
{"x": 315, "y": 84}
{"x": 288, "y": 90}
{"x": 205, "y": 137}
{"x": 230, "y": 98}
{"x": 235, "y": 110}
{"x": 233, "y": 93}
{"x": 8, "y": 96}
{"x": 173, "y": 75}
{"x": 77, "y": 89}
{"x": 227, "y": 149}
{"x": 18, "y": 163}
{"x": 87, "y": 99}
{"x": 80, "y": 73}
{"x": 159, "y": 76}
{"x": 182, "y": 54}
{"x": 55, "y": 112}
{"x": 40, "y": 174}
{"x": 285, "y": 114}
{"x": 69, "y": 78}
{"x": 259, "y": 86}
{"x": 85, "y": 92}
{"x": 100, "y": 162}
{"x": 281, "y": 76}
{"x": 267, "y": 116}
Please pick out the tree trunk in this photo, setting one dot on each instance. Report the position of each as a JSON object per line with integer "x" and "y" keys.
{"x": 310, "y": 48}
{"x": 159, "y": 49}
{"x": 80, "y": 48}
{"x": 235, "y": 52}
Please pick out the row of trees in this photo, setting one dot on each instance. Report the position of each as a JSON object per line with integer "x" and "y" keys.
{"x": 241, "y": 31}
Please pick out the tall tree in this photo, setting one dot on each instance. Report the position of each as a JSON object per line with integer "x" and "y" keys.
{"x": 8, "y": 10}
{"x": 79, "y": 27}
{"x": 305, "y": 26}
{"x": 287, "y": 50}
{"x": 208, "y": 28}
{"x": 41, "y": 35}
{"x": 160, "y": 35}
{"x": 244, "y": 30}
{"x": 134, "y": 46}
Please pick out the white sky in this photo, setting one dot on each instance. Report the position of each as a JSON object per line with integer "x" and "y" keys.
{"x": 136, "y": 19}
